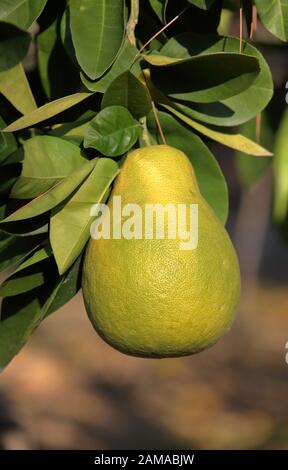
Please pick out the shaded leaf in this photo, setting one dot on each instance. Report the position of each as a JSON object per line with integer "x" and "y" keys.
{"x": 14, "y": 248}
{"x": 204, "y": 4}
{"x": 70, "y": 224}
{"x": 97, "y": 28}
{"x": 47, "y": 111}
{"x": 52, "y": 60}
{"x": 8, "y": 177}
{"x": 53, "y": 196}
{"x": 28, "y": 275}
{"x": 158, "y": 7}
{"x": 123, "y": 62}
{"x": 194, "y": 79}
{"x": 209, "y": 176}
{"x": 20, "y": 315}
{"x": 234, "y": 141}
{"x": 234, "y": 110}
{"x": 113, "y": 131}
{"x": 14, "y": 45}
{"x": 65, "y": 288}
{"x": 47, "y": 160}
{"x": 127, "y": 91}
{"x": 8, "y": 143}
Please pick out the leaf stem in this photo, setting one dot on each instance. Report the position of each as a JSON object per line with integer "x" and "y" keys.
{"x": 156, "y": 117}
{"x": 162, "y": 29}
{"x": 254, "y": 22}
{"x": 241, "y": 25}
{"x": 133, "y": 21}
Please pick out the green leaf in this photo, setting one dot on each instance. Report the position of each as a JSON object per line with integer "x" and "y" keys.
{"x": 195, "y": 80}
{"x": 113, "y": 131}
{"x": 28, "y": 276}
{"x": 209, "y": 176}
{"x": 14, "y": 44}
{"x": 21, "y": 13}
{"x": 274, "y": 16}
{"x": 8, "y": 143}
{"x": 97, "y": 28}
{"x": 234, "y": 110}
{"x": 16, "y": 89}
{"x": 234, "y": 141}
{"x": 65, "y": 288}
{"x": 204, "y": 4}
{"x": 250, "y": 169}
{"x": 53, "y": 196}
{"x": 70, "y": 224}
{"x": 13, "y": 248}
{"x": 281, "y": 170}
{"x": 46, "y": 111}
{"x": 127, "y": 91}
{"x": 124, "y": 61}
{"x": 47, "y": 160}
{"x": 20, "y": 315}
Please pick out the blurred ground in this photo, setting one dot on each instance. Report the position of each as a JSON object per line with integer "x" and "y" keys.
{"x": 67, "y": 389}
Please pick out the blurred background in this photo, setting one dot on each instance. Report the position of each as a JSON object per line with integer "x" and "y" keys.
{"x": 69, "y": 390}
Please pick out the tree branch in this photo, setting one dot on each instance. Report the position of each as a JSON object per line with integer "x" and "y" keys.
{"x": 132, "y": 23}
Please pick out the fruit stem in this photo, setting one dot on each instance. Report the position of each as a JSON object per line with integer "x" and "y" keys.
{"x": 145, "y": 133}
{"x": 133, "y": 21}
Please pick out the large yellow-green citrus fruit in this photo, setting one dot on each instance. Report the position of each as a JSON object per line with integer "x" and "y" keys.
{"x": 148, "y": 297}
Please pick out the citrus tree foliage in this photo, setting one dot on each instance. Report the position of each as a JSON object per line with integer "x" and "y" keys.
{"x": 100, "y": 74}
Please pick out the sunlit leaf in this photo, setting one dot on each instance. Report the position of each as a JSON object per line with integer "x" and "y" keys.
{"x": 16, "y": 89}
{"x": 274, "y": 15}
{"x": 21, "y": 13}
{"x": 47, "y": 111}
{"x": 281, "y": 170}
{"x": 70, "y": 224}
{"x": 47, "y": 160}
{"x": 234, "y": 141}
{"x": 53, "y": 196}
